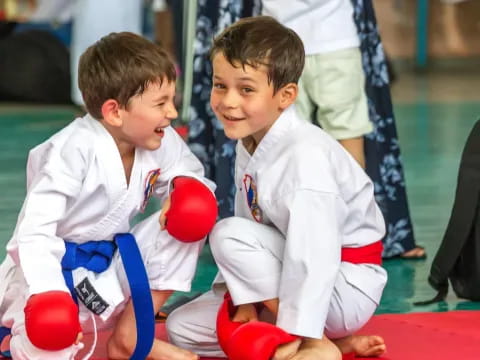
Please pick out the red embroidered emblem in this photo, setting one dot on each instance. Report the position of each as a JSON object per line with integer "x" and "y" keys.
{"x": 252, "y": 200}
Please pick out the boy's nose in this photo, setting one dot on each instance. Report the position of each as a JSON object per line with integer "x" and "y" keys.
{"x": 172, "y": 112}
{"x": 230, "y": 99}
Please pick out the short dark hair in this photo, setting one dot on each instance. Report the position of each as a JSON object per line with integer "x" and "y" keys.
{"x": 262, "y": 40}
{"x": 119, "y": 66}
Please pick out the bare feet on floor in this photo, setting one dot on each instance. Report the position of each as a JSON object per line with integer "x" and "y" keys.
{"x": 418, "y": 252}
{"x": 161, "y": 350}
{"x": 171, "y": 352}
{"x": 362, "y": 345}
{"x": 308, "y": 349}
{"x": 313, "y": 349}
{"x": 287, "y": 351}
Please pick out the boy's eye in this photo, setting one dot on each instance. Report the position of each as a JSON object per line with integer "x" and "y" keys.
{"x": 219, "y": 86}
{"x": 247, "y": 90}
{"x": 161, "y": 104}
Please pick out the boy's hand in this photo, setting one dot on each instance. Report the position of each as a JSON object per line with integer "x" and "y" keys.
{"x": 51, "y": 320}
{"x": 163, "y": 217}
{"x": 79, "y": 338}
{"x": 245, "y": 313}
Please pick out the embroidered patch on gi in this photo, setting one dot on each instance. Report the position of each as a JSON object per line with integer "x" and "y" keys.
{"x": 150, "y": 181}
{"x": 90, "y": 298}
{"x": 252, "y": 200}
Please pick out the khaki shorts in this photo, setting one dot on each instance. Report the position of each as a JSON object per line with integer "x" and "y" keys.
{"x": 333, "y": 84}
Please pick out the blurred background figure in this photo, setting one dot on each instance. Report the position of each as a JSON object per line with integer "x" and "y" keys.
{"x": 382, "y": 150}
{"x": 34, "y": 60}
{"x": 93, "y": 19}
{"x": 337, "y": 37}
{"x": 454, "y": 39}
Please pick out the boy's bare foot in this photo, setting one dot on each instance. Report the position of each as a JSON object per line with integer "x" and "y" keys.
{"x": 417, "y": 253}
{"x": 314, "y": 349}
{"x": 362, "y": 345}
{"x": 308, "y": 349}
{"x": 245, "y": 313}
{"x": 161, "y": 350}
{"x": 287, "y": 351}
{"x": 171, "y": 352}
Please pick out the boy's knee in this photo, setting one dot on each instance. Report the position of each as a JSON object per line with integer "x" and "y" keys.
{"x": 223, "y": 233}
{"x": 121, "y": 344}
{"x": 176, "y": 326}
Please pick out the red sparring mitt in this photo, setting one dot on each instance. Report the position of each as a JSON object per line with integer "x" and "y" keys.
{"x": 225, "y": 326}
{"x": 193, "y": 210}
{"x": 51, "y": 320}
{"x": 254, "y": 340}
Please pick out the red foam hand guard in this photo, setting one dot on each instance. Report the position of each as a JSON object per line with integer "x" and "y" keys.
{"x": 254, "y": 340}
{"x": 257, "y": 340}
{"x": 225, "y": 326}
{"x": 51, "y": 320}
{"x": 193, "y": 210}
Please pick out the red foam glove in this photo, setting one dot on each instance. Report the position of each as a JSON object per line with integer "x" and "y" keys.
{"x": 51, "y": 320}
{"x": 193, "y": 210}
{"x": 225, "y": 326}
{"x": 254, "y": 340}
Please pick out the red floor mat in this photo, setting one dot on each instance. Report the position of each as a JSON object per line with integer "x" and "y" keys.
{"x": 429, "y": 336}
{"x": 416, "y": 336}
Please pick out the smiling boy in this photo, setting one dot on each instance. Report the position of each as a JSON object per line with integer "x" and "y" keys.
{"x": 305, "y": 239}
{"x": 84, "y": 186}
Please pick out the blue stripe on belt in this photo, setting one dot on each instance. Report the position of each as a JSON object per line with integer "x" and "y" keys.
{"x": 96, "y": 256}
{"x": 4, "y": 332}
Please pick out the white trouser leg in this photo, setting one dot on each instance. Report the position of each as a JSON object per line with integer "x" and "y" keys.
{"x": 193, "y": 326}
{"x": 248, "y": 255}
{"x": 349, "y": 310}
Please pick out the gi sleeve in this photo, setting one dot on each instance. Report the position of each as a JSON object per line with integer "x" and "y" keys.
{"x": 312, "y": 226}
{"x": 53, "y": 179}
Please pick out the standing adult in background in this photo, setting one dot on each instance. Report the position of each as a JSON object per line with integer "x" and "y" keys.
{"x": 332, "y": 93}
{"x": 206, "y": 138}
{"x": 93, "y": 19}
{"x": 333, "y": 88}
{"x": 332, "y": 85}
{"x": 382, "y": 150}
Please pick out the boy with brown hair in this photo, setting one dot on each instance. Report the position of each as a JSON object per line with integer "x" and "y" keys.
{"x": 71, "y": 266}
{"x": 304, "y": 245}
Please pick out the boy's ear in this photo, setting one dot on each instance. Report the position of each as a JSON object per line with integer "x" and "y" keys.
{"x": 111, "y": 113}
{"x": 288, "y": 95}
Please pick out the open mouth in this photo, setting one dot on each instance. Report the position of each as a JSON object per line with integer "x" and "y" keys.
{"x": 159, "y": 131}
{"x": 232, "y": 118}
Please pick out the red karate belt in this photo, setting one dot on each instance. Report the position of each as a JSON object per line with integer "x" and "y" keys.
{"x": 368, "y": 254}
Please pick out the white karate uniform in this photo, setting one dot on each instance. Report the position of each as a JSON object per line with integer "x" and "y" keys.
{"x": 308, "y": 199}
{"x": 77, "y": 192}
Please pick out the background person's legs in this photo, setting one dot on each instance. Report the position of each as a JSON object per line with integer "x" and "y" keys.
{"x": 333, "y": 84}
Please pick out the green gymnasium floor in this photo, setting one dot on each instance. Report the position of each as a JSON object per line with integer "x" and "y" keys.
{"x": 434, "y": 114}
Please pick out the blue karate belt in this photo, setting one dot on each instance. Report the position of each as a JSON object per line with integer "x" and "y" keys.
{"x": 96, "y": 256}
{"x": 4, "y": 332}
